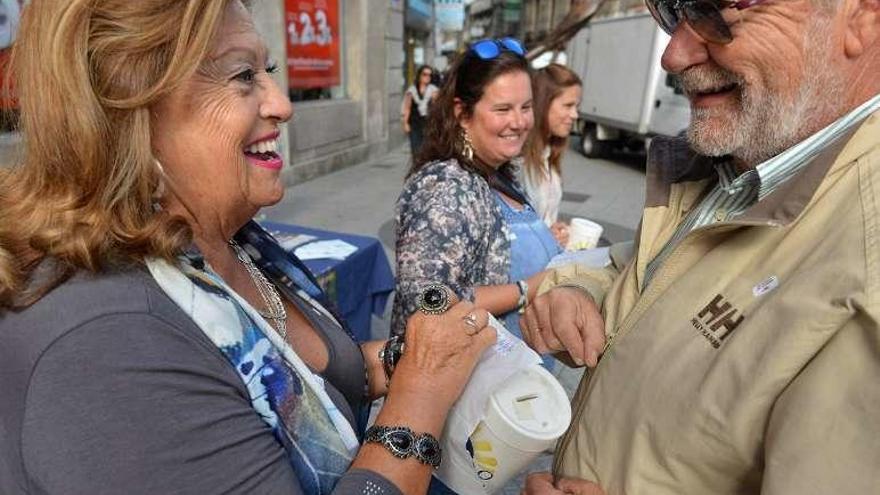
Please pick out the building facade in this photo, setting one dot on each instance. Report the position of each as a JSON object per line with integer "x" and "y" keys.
{"x": 345, "y": 74}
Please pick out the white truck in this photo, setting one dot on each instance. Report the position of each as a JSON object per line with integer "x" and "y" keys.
{"x": 628, "y": 97}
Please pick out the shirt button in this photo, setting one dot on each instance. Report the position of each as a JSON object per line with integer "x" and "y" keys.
{"x": 720, "y": 215}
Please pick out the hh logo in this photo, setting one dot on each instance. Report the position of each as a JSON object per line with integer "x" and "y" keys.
{"x": 717, "y": 321}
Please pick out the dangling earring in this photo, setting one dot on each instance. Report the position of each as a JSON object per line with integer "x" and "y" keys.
{"x": 160, "y": 184}
{"x": 467, "y": 147}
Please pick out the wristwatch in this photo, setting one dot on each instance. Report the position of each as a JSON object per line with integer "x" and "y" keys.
{"x": 403, "y": 443}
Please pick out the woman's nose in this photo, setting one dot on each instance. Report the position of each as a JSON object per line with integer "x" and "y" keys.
{"x": 276, "y": 105}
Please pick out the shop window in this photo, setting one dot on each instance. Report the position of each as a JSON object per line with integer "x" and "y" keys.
{"x": 315, "y": 62}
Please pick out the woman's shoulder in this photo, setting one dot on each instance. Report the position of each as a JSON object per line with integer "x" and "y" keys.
{"x": 449, "y": 169}
{"x": 86, "y": 298}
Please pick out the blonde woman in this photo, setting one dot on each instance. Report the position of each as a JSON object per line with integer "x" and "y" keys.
{"x": 557, "y": 93}
{"x": 153, "y": 339}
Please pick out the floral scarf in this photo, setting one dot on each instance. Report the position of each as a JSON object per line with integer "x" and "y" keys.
{"x": 319, "y": 441}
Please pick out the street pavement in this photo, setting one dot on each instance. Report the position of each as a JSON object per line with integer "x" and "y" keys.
{"x": 360, "y": 200}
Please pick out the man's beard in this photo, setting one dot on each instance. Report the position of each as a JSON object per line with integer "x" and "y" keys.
{"x": 765, "y": 123}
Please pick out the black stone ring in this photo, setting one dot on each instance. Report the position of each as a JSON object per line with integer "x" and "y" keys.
{"x": 434, "y": 299}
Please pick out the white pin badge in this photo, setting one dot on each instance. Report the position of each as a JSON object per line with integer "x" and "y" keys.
{"x": 767, "y": 285}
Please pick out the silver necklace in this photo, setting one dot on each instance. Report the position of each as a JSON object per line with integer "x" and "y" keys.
{"x": 276, "y": 315}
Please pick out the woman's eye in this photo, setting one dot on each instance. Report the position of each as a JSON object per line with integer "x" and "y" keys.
{"x": 271, "y": 68}
{"x": 246, "y": 76}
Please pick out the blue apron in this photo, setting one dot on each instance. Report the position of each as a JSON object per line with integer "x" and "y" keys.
{"x": 532, "y": 245}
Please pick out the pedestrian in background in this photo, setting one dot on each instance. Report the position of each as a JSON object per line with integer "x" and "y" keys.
{"x": 557, "y": 94}
{"x": 462, "y": 218}
{"x": 416, "y": 105}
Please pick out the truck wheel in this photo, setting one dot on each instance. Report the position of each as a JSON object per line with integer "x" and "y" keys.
{"x": 591, "y": 146}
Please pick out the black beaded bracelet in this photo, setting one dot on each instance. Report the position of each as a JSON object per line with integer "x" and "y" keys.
{"x": 403, "y": 443}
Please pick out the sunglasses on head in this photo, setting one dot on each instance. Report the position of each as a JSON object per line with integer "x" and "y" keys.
{"x": 490, "y": 48}
{"x": 703, "y": 16}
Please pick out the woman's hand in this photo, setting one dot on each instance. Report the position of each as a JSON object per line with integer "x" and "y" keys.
{"x": 560, "y": 232}
{"x": 542, "y": 484}
{"x": 441, "y": 352}
{"x": 440, "y": 355}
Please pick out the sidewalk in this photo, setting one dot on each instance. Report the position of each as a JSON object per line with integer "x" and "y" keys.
{"x": 361, "y": 199}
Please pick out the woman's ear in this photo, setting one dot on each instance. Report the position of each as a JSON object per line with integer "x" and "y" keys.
{"x": 458, "y": 110}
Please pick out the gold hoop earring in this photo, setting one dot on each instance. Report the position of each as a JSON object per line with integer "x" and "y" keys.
{"x": 467, "y": 147}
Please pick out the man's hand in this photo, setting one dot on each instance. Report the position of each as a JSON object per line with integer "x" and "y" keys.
{"x": 565, "y": 319}
{"x": 542, "y": 484}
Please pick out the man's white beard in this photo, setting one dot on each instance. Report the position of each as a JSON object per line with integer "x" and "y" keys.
{"x": 765, "y": 123}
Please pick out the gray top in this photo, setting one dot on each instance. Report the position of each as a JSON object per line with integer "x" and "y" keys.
{"x": 108, "y": 387}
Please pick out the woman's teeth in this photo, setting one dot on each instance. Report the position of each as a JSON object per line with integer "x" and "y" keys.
{"x": 268, "y": 146}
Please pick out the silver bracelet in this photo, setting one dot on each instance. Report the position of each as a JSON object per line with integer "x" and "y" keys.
{"x": 523, "y": 301}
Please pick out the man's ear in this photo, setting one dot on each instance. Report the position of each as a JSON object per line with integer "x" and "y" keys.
{"x": 862, "y": 26}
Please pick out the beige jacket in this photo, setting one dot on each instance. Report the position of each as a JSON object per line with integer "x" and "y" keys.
{"x": 751, "y": 363}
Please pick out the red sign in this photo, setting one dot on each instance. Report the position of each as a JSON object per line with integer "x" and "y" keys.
{"x": 312, "y": 43}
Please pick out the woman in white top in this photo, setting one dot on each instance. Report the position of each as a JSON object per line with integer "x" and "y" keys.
{"x": 556, "y": 91}
{"x": 414, "y": 111}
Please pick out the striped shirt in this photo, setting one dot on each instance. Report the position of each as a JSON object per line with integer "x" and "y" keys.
{"x": 734, "y": 194}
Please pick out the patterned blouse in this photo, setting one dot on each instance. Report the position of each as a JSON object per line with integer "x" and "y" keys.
{"x": 450, "y": 231}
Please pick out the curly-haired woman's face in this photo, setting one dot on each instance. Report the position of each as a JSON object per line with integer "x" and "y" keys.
{"x": 501, "y": 119}
{"x": 216, "y": 135}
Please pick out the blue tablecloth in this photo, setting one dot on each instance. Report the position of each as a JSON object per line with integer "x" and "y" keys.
{"x": 358, "y": 285}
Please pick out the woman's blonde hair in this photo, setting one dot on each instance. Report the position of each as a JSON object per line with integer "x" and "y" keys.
{"x": 547, "y": 84}
{"x": 87, "y": 73}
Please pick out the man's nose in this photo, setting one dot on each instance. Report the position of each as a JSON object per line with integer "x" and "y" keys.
{"x": 686, "y": 49}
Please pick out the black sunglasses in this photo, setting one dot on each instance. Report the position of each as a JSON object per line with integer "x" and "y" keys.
{"x": 703, "y": 16}
{"x": 488, "y": 49}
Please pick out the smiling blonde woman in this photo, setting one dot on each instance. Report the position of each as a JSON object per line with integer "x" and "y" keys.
{"x": 153, "y": 338}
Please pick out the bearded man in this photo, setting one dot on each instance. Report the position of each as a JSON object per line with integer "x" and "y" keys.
{"x": 741, "y": 341}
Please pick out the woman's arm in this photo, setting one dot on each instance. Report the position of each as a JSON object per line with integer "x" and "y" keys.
{"x": 405, "y": 107}
{"x": 441, "y": 234}
{"x": 499, "y": 299}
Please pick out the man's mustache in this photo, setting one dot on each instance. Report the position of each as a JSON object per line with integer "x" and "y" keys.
{"x": 704, "y": 79}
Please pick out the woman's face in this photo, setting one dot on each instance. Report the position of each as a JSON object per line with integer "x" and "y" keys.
{"x": 563, "y": 111}
{"x": 216, "y": 135}
{"x": 425, "y": 76}
{"x": 501, "y": 119}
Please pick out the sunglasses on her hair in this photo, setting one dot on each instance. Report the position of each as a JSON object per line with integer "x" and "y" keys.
{"x": 703, "y": 16}
{"x": 490, "y": 48}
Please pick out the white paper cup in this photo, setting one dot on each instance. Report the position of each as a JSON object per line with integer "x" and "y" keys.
{"x": 583, "y": 234}
{"x": 524, "y": 418}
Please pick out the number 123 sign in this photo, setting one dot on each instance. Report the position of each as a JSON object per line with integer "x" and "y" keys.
{"x": 312, "y": 43}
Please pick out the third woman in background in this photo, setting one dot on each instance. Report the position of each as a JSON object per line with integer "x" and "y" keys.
{"x": 414, "y": 111}
{"x": 557, "y": 93}
{"x": 462, "y": 219}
